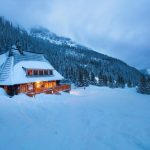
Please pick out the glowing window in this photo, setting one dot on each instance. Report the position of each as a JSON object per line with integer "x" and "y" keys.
{"x": 29, "y": 72}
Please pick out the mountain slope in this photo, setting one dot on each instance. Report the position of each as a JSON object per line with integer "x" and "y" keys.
{"x": 100, "y": 64}
{"x": 145, "y": 71}
{"x": 75, "y": 62}
{"x": 45, "y": 34}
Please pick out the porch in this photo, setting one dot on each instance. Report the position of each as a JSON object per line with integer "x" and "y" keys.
{"x": 52, "y": 90}
{"x": 31, "y": 89}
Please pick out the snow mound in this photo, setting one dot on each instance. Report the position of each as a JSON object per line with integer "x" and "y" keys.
{"x": 2, "y": 92}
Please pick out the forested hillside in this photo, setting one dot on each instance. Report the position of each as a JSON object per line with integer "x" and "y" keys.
{"x": 76, "y": 63}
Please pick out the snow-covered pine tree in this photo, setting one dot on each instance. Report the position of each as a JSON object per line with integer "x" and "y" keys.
{"x": 144, "y": 85}
{"x": 110, "y": 83}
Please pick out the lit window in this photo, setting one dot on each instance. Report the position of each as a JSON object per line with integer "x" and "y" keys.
{"x": 29, "y": 72}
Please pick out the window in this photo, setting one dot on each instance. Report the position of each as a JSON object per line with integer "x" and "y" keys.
{"x": 35, "y": 72}
{"x": 50, "y": 72}
{"x": 45, "y": 72}
{"x": 29, "y": 72}
{"x": 39, "y": 72}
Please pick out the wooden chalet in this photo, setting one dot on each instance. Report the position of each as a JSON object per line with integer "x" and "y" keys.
{"x": 29, "y": 73}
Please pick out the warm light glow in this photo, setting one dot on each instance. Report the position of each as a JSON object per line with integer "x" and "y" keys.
{"x": 38, "y": 83}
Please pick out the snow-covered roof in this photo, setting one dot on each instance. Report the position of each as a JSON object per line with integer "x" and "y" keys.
{"x": 12, "y": 72}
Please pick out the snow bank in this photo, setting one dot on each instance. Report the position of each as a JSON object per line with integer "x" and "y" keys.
{"x": 88, "y": 119}
{"x": 2, "y": 92}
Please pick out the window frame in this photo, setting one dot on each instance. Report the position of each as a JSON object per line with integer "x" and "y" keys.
{"x": 39, "y": 72}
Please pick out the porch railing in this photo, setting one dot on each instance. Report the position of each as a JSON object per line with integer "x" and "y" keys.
{"x": 53, "y": 90}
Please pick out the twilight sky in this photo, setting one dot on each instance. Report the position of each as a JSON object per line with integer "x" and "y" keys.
{"x": 118, "y": 28}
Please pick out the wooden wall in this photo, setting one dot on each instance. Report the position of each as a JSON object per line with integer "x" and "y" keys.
{"x": 48, "y": 87}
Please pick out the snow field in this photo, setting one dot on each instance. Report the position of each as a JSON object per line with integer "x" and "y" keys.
{"x": 86, "y": 119}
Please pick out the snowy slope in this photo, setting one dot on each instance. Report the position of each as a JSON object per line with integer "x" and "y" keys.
{"x": 96, "y": 118}
{"x": 146, "y": 71}
{"x": 45, "y": 34}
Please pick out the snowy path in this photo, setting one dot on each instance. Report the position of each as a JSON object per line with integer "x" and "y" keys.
{"x": 92, "y": 119}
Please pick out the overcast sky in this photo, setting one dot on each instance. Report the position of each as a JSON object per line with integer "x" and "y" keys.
{"x": 118, "y": 28}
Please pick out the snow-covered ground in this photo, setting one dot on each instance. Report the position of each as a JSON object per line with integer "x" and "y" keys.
{"x": 97, "y": 118}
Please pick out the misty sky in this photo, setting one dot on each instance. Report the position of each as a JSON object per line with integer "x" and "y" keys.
{"x": 118, "y": 28}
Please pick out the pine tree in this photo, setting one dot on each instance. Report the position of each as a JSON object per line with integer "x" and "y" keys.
{"x": 110, "y": 83}
{"x": 129, "y": 84}
{"x": 148, "y": 86}
{"x": 120, "y": 82}
{"x": 92, "y": 78}
{"x": 142, "y": 85}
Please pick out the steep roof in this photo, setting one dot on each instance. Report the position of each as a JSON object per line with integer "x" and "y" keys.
{"x": 11, "y": 68}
